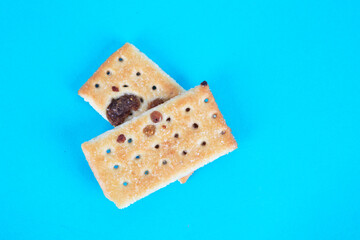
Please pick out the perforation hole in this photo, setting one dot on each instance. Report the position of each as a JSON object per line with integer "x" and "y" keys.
{"x": 168, "y": 119}
{"x": 130, "y": 140}
{"x": 153, "y": 87}
{"x": 223, "y": 132}
{"x": 108, "y": 73}
{"x": 203, "y": 143}
{"x": 137, "y": 157}
{"x": 125, "y": 85}
{"x": 206, "y": 100}
{"x": 108, "y": 151}
{"x": 157, "y": 146}
{"x": 138, "y": 74}
{"x": 120, "y": 59}
{"x": 184, "y": 152}
{"x": 97, "y": 85}
{"x": 195, "y": 125}
{"x": 125, "y": 184}
{"x": 187, "y": 109}
{"x": 146, "y": 172}
{"x": 214, "y": 115}
{"x": 116, "y": 166}
{"x": 176, "y": 135}
{"x": 141, "y": 100}
{"x": 164, "y": 162}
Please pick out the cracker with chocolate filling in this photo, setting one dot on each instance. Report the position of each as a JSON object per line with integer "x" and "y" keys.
{"x": 160, "y": 146}
{"x": 127, "y": 84}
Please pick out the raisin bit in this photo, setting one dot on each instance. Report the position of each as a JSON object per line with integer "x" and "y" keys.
{"x": 149, "y": 130}
{"x": 115, "y": 89}
{"x": 204, "y": 83}
{"x": 120, "y": 108}
{"x": 156, "y": 102}
{"x": 121, "y": 138}
{"x": 156, "y": 116}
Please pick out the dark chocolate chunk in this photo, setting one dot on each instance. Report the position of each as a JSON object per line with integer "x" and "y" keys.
{"x": 120, "y": 108}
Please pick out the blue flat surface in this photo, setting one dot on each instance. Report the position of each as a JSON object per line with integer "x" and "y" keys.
{"x": 285, "y": 74}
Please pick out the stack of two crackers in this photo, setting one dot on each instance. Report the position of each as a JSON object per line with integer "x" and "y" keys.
{"x": 162, "y": 133}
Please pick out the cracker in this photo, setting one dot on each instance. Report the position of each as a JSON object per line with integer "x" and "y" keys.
{"x": 167, "y": 143}
{"x": 128, "y": 71}
{"x": 119, "y": 76}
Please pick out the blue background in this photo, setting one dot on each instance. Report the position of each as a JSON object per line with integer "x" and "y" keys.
{"x": 286, "y": 75}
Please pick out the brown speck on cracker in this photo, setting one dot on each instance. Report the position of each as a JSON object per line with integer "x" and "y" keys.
{"x": 121, "y": 138}
{"x": 156, "y": 116}
{"x": 149, "y": 130}
{"x": 204, "y": 83}
{"x": 115, "y": 89}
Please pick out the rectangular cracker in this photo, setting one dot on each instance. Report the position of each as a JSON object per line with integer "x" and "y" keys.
{"x": 124, "y": 73}
{"x": 201, "y": 132}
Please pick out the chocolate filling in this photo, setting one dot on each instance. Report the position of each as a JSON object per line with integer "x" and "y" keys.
{"x": 120, "y": 108}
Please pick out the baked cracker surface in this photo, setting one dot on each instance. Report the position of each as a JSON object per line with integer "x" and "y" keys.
{"x": 190, "y": 133}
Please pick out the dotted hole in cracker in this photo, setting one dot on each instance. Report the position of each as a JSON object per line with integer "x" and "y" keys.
{"x": 97, "y": 85}
{"x": 138, "y": 74}
{"x": 214, "y": 115}
{"x": 146, "y": 172}
{"x": 187, "y": 109}
{"x": 206, "y": 100}
{"x": 154, "y": 87}
{"x": 120, "y": 59}
{"x": 195, "y": 126}
{"x": 157, "y": 146}
{"x": 125, "y": 184}
{"x": 130, "y": 140}
{"x": 176, "y": 135}
{"x": 141, "y": 100}
{"x": 108, "y": 72}
{"x": 137, "y": 157}
{"x": 184, "y": 152}
{"x": 203, "y": 143}
{"x": 116, "y": 166}
{"x": 108, "y": 151}
{"x": 168, "y": 119}
{"x": 125, "y": 85}
{"x": 164, "y": 162}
